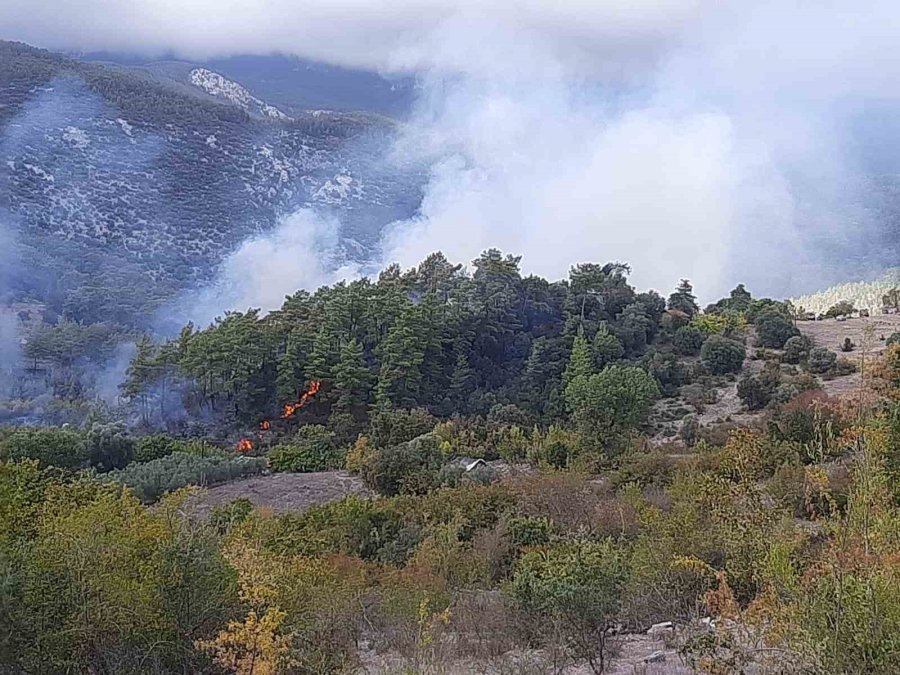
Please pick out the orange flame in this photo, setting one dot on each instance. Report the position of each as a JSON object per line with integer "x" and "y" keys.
{"x": 245, "y": 445}
{"x": 291, "y": 408}
{"x": 265, "y": 425}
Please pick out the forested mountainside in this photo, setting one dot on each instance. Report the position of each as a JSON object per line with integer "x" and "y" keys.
{"x": 291, "y": 84}
{"x": 120, "y": 186}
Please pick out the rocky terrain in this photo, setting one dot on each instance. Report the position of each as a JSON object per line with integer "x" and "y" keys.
{"x": 114, "y": 177}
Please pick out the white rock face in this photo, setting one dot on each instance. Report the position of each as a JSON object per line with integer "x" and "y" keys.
{"x": 217, "y": 85}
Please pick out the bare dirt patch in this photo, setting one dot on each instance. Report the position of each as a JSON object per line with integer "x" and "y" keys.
{"x": 282, "y": 492}
{"x": 831, "y": 333}
{"x": 868, "y": 335}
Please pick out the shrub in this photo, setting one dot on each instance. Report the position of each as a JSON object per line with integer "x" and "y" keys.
{"x": 410, "y": 467}
{"x": 757, "y": 390}
{"x": 529, "y": 530}
{"x": 109, "y": 447}
{"x": 842, "y": 308}
{"x": 153, "y": 479}
{"x": 690, "y": 430}
{"x": 721, "y": 355}
{"x": 820, "y": 360}
{"x": 795, "y": 349}
{"x": 773, "y": 329}
{"x": 312, "y": 449}
{"x": 61, "y": 448}
{"x": 226, "y": 516}
{"x": 618, "y": 396}
{"x": 576, "y": 589}
{"x": 392, "y": 427}
{"x": 688, "y": 340}
{"x": 148, "y": 448}
{"x": 893, "y": 339}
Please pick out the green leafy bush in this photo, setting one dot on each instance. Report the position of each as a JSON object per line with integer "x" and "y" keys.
{"x": 773, "y": 329}
{"x": 410, "y": 467}
{"x": 688, "y": 340}
{"x": 576, "y": 588}
{"x": 820, "y": 360}
{"x": 153, "y": 479}
{"x": 61, "y": 448}
{"x": 796, "y": 349}
{"x": 312, "y": 449}
{"x": 722, "y": 356}
{"x": 109, "y": 447}
{"x": 618, "y": 396}
{"x": 757, "y": 390}
{"x": 391, "y": 427}
{"x": 148, "y": 448}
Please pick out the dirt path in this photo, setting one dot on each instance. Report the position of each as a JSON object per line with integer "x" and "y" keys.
{"x": 282, "y": 492}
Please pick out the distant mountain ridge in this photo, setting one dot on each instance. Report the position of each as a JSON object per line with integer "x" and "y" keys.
{"x": 122, "y": 185}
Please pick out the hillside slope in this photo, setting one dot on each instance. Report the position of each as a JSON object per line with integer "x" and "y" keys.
{"x": 122, "y": 185}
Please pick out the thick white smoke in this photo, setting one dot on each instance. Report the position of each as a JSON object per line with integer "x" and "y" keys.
{"x": 687, "y": 137}
{"x": 301, "y": 252}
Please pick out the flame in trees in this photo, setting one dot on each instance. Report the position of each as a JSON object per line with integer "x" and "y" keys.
{"x": 291, "y": 408}
{"x": 246, "y": 444}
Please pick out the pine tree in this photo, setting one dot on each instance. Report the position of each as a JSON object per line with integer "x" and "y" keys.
{"x": 683, "y": 299}
{"x": 402, "y": 353}
{"x": 607, "y": 347}
{"x": 321, "y": 358}
{"x": 462, "y": 380}
{"x": 581, "y": 361}
{"x": 352, "y": 379}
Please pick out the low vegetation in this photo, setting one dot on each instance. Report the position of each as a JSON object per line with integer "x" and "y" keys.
{"x": 522, "y": 502}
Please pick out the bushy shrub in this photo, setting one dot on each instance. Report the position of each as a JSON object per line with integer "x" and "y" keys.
{"x": 617, "y": 397}
{"x": 312, "y": 449}
{"x": 392, "y": 427}
{"x": 529, "y": 530}
{"x": 226, "y": 516}
{"x": 757, "y": 390}
{"x": 688, "y": 340}
{"x": 820, "y": 360}
{"x": 153, "y": 479}
{"x": 148, "y": 448}
{"x": 61, "y": 448}
{"x": 576, "y": 588}
{"x": 722, "y": 356}
{"x": 690, "y": 430}
{"x": 795, "y": 349}
{"x": 109, "y": 447}
{"x": 773, "y": 329}
{"x": 410, "y": 467}
{"x": 893, "y": 339}
{"x": 842, "y": 308}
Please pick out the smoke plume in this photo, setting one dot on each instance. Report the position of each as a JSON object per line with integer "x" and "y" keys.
{"x": 726, "y": 142}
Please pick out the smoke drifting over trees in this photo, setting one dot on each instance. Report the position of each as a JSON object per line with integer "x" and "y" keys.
{"x": 685, "y": 137}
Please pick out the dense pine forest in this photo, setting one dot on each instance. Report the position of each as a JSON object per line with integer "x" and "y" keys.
{"x": 541, "y": 472}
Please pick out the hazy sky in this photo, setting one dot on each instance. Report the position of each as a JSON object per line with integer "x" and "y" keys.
{"x": 682, "y": 136}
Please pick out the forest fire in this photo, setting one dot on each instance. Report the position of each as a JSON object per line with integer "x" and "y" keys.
{"x": 291, "y": 408}
{"x": 246, "y": 444}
